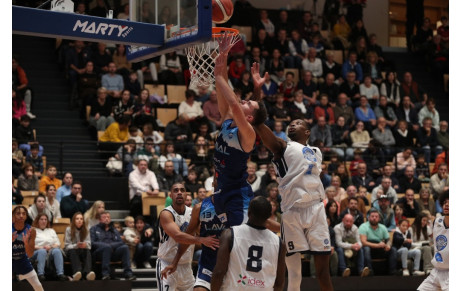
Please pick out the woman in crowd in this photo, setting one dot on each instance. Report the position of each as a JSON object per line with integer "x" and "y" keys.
{"x": 399, "y": 210}
{"x": 178, "y": 160}
{"x": 402, "y": 241}
{"x": 78, "y": 248}
{"x": 123, "y": 66}
{"x": 27, "y": 181}
{"x": 342, "y": 173}
{"x": 390, "y": 88}
{"x": 331, "y": 212}
{"x": 47, "y": 247}
{"x": 23, "y": 248}
{"x": 330, "y": 194}
{"x": 422, "y": 238}
{"x": 92, "y": 215}
{"x": 201, "y": 159}
{"x": 340, "y": 192}
{"x": 275, "y": 215}
{"x": 425, "y": 202}
{"x": 143, "y": 110}
{"x": 39, "y": 207}
{"x": 51, "y": 202}
{"x": 360, "y": 137}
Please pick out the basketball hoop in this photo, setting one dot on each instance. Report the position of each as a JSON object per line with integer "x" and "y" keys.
{"x": 201, "y": 57}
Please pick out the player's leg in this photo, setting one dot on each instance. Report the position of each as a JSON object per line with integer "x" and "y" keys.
{"x": 294, "y": 266}
{"x": 234, "y": 204}
{"x": 165, "y": 283}
{"x": 205, "y": 267}
{"x": 184, "y": 278}
{"x": 322, "y": 272}
{"x": 32, "y": 278}
{"x": 430, "y": 283}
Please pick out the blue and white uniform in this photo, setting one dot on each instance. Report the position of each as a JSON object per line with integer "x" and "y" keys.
{"x": 21, "y": 262}
{"x": 304, "y": 226}
{"x": 439, "y": 276}
{"x": 233, "y": 192}
{"x": 210, "y": 224}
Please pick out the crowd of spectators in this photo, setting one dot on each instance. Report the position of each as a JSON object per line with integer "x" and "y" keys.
{"x": 378, "y": 133}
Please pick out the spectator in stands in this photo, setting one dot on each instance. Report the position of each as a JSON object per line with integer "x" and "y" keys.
{"x": 313, "y": 64}
{"x": 101, "y": 59}
{"x": 288, "y": 87}
{"x": 136, "y": 78}
{"x": 427, "y": 139}
{"x": 278, "y": 130}
{"x": 408, "y": 113}
{"x": 21, "y": 85}
{"x": 372, "y": 68}
{"x": 430, "y": 111}
{"x": 201, "y": 159}
{"x": 410, "y": 206}
{"x": 438, "y": 57}
{"x": 425, "y": 202}
{"x": 404, "y": 136}
{"x": 383, "y": 135}
{"x": 25, "y": 136}
{"x": 107, "y": 245}
{"x": 144, "y": 248}
{"x": 27, "y": 181}
{"x": 443, "y": 134}
{"x": 78, "y": 248}
{"x": 16, "y": 198}
{"x": 211, "y": 112}
{"x": 341, "y": 32}
{"x": 369, "y": 90}
{"x": 390, "y": 88}
{"x": 442, "y": 158}
{"x": 342, "y": 172}
{"x": 352, "y": 65}
{"x": 253, "y": 179}
{"x": 421, "y": 232}
{"x": 305, "y": 24}
{"x": 399, "y": 212}
{"x": 300, "y": 109}
{"x": 358, "y": 30}
{"x": 439, "y": 182}
{"x": 17, "y": 157}
{"x": 324, "y": 110}
{"x": 325, "y": 176}
{"x": 124, "y": 106}
{"x": 51, "y": 203}
{"x": 168, "y": 176}
{"x": 284, "y": 23}
{"x": 387, "y": 215}
{"x": 365, "y": 114}
{"x": 384, "y": 110}
{"x": 409, "y": 181}
{"x": 412, "y": 89}
{"x": 66, "y": 187}
{"x": 263, "y": 41}
{"x": 236, "y": 69}
{"x": 141, "y": 180}
{"x": 49, "y": 178}
{"x": 180, "y": 132}
{"x": 143, "y": 110}
{"x": 171, "y": 69}
{"x": 330, "y": 66}
{"x": 321, "y": 131}
{"x": 374, "y": 156}
{"x": 423, "y": 36}
{"x": 47, "y": 247}
{"x": 349, "y": 246}
{"x": 387, "y": 189}
{"x": 331, "y": 212}
{"x": 192, "y": 110}
{"x": 352, "y": 207}
{"x": 376, "y": 242}
{"x": 88, "y": 83}
{"x": 113, "y": 82}
{"x": 363, "y": 178}
{"x": 330, "y": 88}
{"x": 35, "y": 159}
{"x": 387, "y": 172}
{"x": 351, "y": 88}
{"x": 280, "y": 111}
{"x": 340, "y": 192}
{"x": 74, "y": 203}
{"x": 180, "y": 165}
{"x": 343, "y": 109}
{"x": 245, "y": 85}
{"x": 269, "y": 88}
{"x": 147, "y": 152}
{"x": 360, "y": 137}
{"x": 121, "y": 63}
{"x": 298, "y": 48}
{"x": 443, "y": 30}
{"x": 402, "y": 241}
{"x": 116, "y": 133}
{"x": 362, "y": 194}
{"x": 340, "y": 139}
{"x": 92, "y": 215}
{"x": 100, "y": 114}
{"x": 19, "y": 108}
{"x": 275, "y": 68}
{"x": 359, "y": 46}
{"x": 422, "y": 169}
{"x": 39, "y": 207}
{"x": 309, "y": 88}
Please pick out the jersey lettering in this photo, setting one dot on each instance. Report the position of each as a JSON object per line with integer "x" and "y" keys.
{"x": 254, "y": 263}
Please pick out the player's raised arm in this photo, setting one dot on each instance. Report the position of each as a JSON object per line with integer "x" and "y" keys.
{"x": 246, "y": 133}
{"x": 224, "y": 47}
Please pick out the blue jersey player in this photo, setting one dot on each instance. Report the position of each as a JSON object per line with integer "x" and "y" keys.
{"x": 209, "y": 223}
{"x": 23, "y": 248}
{"x": 234, "y": 144}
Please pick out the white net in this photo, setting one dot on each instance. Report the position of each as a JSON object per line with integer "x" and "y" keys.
{"x": 201, "y": 58}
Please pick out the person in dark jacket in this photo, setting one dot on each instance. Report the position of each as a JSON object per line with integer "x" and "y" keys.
{"x": 402, "y": 242}
{"x": 73, "y": 203}
{"x": 144, "y": 248}
{"x": 411, "y": 207}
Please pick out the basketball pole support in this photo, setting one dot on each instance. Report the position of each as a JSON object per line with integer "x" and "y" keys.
{"x": 52, "y": 24}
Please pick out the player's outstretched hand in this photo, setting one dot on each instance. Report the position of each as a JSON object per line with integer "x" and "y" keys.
{"x": 257, "y": 80}
{"x": 168, "y": 271}
{"x": 210, "y": 241}
{"x": 225, "y": 43}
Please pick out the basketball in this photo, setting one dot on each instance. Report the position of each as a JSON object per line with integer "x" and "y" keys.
{"x": 222, "y": 10}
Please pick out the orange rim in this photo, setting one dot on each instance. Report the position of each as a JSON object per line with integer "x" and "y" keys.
{"x": 220, "y": 31}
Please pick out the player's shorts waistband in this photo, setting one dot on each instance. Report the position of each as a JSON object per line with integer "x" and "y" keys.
{"x": 303, "y": 205}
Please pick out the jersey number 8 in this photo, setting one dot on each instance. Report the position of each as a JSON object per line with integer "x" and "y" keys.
{"x": 254, "y": 263}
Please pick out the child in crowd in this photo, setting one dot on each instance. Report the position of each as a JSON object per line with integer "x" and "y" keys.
{"x": 278, "y": 130}
{"x": 35, "y": 159}
{"x": 17, "y": 158}
{"x": 135, "y": 134}
{"x": 188, "y": 200}
{"x": 357, "y": 158}
{"x": 147, "y": 152}
{"x": 422, "y": 170}
{"x": 399, "y": 210}
{"x": 148, "y": 132}
{"x": 25, "y": 135}
{"x": 191, "y": 182}
{"x": 133, "y": 86}
{"x": 402, "y": 241}
{"x": 117, "y": 225}
{"x": 50, "y": 178}
{"x": 362, "y": 193}
{"x": 132, "y": 238}
{"x": 334, "y": 164}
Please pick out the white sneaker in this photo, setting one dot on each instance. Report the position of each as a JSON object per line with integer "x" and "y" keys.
{"x": 76, "y": 276}
{"x": 133, "y": 265}
{"x": 406, "y": 273}
{"x": 31, "y": 115}
{"x": 365, "y": 272}
{"x": 91, "y": 276}
{"x": 418, "y": 273}
{"x": 346, "y": 272}
{"x": 147, "y": 265}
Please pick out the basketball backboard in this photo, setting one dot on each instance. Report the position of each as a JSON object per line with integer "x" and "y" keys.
{"x": 186, "y": 22}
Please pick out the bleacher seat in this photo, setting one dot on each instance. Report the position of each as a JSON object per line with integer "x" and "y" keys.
{"x": 61, "y": 224}
{"x": 338, "y": 55}
{"x": 176, "y": 93}
{"x": 29, "y": 197}
{"x": 166, "y": 115}
{"x": 158, "y": 90}
{"x": 157, "y": 200}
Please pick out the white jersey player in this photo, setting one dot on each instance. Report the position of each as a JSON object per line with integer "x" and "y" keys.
{"x": 250, "y": 256}
{"x": 304, "y": 227}
{"x": 439, "y": 276}
{"x": 173, "y": 222}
